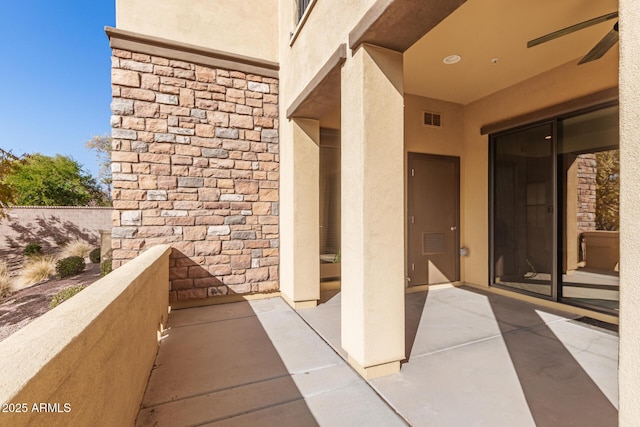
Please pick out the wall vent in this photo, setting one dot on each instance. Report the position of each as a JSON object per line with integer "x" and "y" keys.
{"x": 433, "y": 243}
{"x": 431, "y": 119}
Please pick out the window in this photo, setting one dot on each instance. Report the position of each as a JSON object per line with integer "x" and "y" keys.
{"x": 302, "y": 7}
{"x": 302, "y": 11}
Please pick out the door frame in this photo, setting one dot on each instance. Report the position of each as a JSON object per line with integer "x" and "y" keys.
{"x": 558, "y": 227}
{"x": 554, "y": 280}
{"x": 456, "y": 254}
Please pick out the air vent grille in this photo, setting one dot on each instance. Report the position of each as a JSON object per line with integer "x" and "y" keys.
{"x": 431, "y": 119}
{"x": 433, "y": 243}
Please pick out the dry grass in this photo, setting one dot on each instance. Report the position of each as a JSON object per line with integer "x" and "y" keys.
{"x": 5, "y": 288}
{"x": 35, "y": 271}
{"x": 76, "y": 248}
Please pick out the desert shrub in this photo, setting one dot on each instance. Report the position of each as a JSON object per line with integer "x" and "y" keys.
{"x": 35, "y": 270}
{"x": 5, "y": 289}
{"x": 76, "y": 248}
{"x": 94, "y": 256}
{"x": 32, "y": 249}
{"x": 64, "y": 295}
{"x": 105, "y": 267}
{"x": 69, "y": 266}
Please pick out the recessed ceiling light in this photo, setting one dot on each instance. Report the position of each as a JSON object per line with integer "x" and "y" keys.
{"x": 452, "y": 59}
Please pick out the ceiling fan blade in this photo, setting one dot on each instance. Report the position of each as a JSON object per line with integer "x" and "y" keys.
{"x": 571, "y": 29}
{"x": 602, "y": 47}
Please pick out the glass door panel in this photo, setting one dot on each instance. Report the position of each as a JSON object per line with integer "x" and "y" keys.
{"x": 523, "y": 210}
{"x": 590, "y": 179}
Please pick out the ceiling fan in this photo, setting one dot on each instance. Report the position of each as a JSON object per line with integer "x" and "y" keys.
{"x": 603, "y": 46}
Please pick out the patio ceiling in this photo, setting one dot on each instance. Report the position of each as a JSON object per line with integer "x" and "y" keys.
{"x": 481, "y": 30}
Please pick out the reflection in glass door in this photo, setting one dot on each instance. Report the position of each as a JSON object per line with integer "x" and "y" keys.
{"x": 523, "y": 212}
{"x": 555, "y": 209}
{"x": 589, "y": 156}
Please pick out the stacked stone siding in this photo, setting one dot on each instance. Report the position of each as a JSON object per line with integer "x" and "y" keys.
{"x": 195, "y": 164}
{"x": 586, "y": 192}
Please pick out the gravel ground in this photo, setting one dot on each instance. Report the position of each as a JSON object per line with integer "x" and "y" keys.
{"x": 21, "y": 308}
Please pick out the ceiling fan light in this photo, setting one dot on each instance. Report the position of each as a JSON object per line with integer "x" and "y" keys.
{"x": 452, "y": 59}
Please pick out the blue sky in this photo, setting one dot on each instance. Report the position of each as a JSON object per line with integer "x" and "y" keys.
{"x": 55, "y": 66}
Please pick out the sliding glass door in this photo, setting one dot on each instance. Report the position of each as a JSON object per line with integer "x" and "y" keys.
{"x": 523, "y": 207}
{"x": 555, "y": 209}
{"x": 589, "y": 160}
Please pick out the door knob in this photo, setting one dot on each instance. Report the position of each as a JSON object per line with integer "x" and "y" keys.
{"x": 453, "y": 228}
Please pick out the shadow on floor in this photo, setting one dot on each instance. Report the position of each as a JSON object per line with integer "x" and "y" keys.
{"x": 219, "y": 367}
{"x": 413, "y": 309}
{"x": 329, "y": 328}
{"x": 477, "y": 358}
{"x": 558, "y": 391}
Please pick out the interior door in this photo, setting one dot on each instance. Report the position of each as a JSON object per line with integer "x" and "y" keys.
{"x": 434, "y": 216}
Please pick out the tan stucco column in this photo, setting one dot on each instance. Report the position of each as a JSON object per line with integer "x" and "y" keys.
{"x": 300, "y": 213}
{"x": 629, "y": 366}
{"x": 571, "y": 234}
{"x": 373, "y": 211}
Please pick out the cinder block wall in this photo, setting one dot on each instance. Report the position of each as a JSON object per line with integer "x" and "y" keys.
{"x": 50, "y": 225}
{"x": 195, "y": 164}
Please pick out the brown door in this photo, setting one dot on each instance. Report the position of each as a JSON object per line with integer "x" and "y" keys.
{"x": 434, "y": 216}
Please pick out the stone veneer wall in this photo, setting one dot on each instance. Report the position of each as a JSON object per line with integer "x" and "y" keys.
{"x": 586, "y": 192}
{"x": 195, "y": 164}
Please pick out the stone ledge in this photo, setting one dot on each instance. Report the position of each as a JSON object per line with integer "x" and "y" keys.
{"x": 128, "y": 40}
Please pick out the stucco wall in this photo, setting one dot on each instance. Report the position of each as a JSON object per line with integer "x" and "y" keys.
{"x": 553, "y": 87}
{"x": 629, "y": 373}
{"x": 50, "y": 226}
{"x": 93, "y": 353}
{"x": 447, "y": 140}
{"x": 328, "y": 25}
{"x": 250, "y": 27}
{"x": 460, "y": 136}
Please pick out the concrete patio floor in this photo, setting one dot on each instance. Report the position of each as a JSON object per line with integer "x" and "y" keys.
{"x": 254, "y": 363}
{"x": 475, "y": 359}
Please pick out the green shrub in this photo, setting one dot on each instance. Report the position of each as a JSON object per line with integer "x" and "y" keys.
{"x": 69, "y": 266}
{"x": 105, "y": 267}
{"x": 65, "y": 294}
{"x": 94, "y": 256}
{"x": 32, "y": 249}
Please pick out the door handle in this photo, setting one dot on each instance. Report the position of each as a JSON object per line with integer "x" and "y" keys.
{"x": 454, "y": 228}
